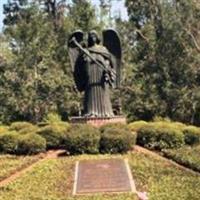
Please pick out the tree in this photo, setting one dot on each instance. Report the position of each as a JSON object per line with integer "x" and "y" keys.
{"x": 165, "y": 58}
{"x": 82, "y": 13}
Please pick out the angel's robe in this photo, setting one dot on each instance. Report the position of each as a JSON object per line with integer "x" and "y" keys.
{"x": 97, "y": 85}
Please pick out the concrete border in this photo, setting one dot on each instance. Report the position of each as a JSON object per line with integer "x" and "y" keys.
{"x": 75, "y": 178}
{"x": 132, "y": 183}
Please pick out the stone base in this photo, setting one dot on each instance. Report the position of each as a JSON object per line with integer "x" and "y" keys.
{"x": 98, "y": 121}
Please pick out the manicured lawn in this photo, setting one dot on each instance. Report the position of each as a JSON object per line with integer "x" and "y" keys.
{"x": 162, "y": 180}
{"x": 53, "y": 180}
{"x": 188, "y": 156}
{"x": 10, "y": 164}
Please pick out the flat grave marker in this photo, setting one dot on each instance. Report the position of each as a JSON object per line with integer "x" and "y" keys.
{"x": 103, "y": 176}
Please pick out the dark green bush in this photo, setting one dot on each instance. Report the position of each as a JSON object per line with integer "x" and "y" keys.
{"x": 159, "y": 138}
{"x": 192, "y": 135}
{"x": 9, "y": 142}
{"x": 31, "y": 144}
{"x": 54, "y": 134}
{"x": 82, "y": 138}
{"x": 116, "y": 139}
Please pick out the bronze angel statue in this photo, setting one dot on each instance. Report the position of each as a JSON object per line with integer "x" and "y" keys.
{"x": 96, "y": 69}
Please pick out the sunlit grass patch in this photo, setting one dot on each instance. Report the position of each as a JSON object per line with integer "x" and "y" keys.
{"x": 162, "y": 180}
{"x": 10, "y": 164}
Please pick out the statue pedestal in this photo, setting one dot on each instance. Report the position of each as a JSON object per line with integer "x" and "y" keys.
{"x": 98, "y": 121}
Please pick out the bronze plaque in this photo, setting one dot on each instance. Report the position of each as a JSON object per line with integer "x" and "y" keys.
{"x": 111, "y": 175}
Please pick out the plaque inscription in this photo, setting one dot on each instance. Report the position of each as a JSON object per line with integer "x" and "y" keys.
{"x": 110, "y": 175}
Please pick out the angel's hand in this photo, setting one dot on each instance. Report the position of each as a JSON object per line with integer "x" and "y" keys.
{"x": 86, "y": 58}
{"x": 112, "y": 76}
{"x": 106, "y": 77}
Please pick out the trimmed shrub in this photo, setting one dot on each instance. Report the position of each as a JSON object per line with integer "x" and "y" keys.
{"x": 9, "y": 142}
{"x": 114, "y": 125}
{"x": 192, "y": 135}
{"x": 27, "y": 130}
{"x": 116, "y": 139}
{"x": 82, "y": 138}
{"x": 166, "y": 124}
{"x": 3, "y": 129}
{"x": 54, "y": 134}
{"x": 31, "y": 144}
{"x": 20, "y": 125}
{"x": 52, "y": 118}
{"x": 14, "y": 143}
{"x": 179, "y": 125}
{"x": 135, "y": 126}
{"x": 23, "y": 127}
{"x": 161, "y": 119}
{"x": 155, "y": 137}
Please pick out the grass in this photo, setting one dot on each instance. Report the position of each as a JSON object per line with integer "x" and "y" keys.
{"x": 162, "y": 180}
{"x": 49, "y": 180}
{"x": 187, "y": 156}
{"x": 53, "y": 180}
{"x": 10, "y": 164}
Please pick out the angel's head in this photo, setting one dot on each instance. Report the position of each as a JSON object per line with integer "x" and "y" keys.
{"x": 93, "y": 38}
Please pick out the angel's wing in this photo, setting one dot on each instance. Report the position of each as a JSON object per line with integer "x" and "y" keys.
{"x": 73, "y": 51}
{"x": 77, "y": 60}
{"x": 112, "y": 42}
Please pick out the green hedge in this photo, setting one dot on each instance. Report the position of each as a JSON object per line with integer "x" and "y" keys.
{"x": 9, "y": 142}
{"x": 116, "y": 138}
{"x": 3, "y": 129}
{"x": 23, "y": 127}
{"x": 114, "y": 125}
{"x": 135, "y": 126}
{"x": 31, "y": 129}
{"x": 156, "y": 137}
{"x": 54, "y": 134}
{"x": 14, "y": 143}
{"x": 17, "y": 126}
{"x": 31, "y": 144}
{"x": 82, "y": 138}
{"x": 192, "y": 135}
{"x": 52, "y": 118}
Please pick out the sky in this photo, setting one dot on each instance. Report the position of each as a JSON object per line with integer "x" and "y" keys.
{"x": 118, "y": 6}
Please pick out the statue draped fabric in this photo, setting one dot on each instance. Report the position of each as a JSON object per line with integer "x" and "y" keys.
{"x": 96, "y": 70}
